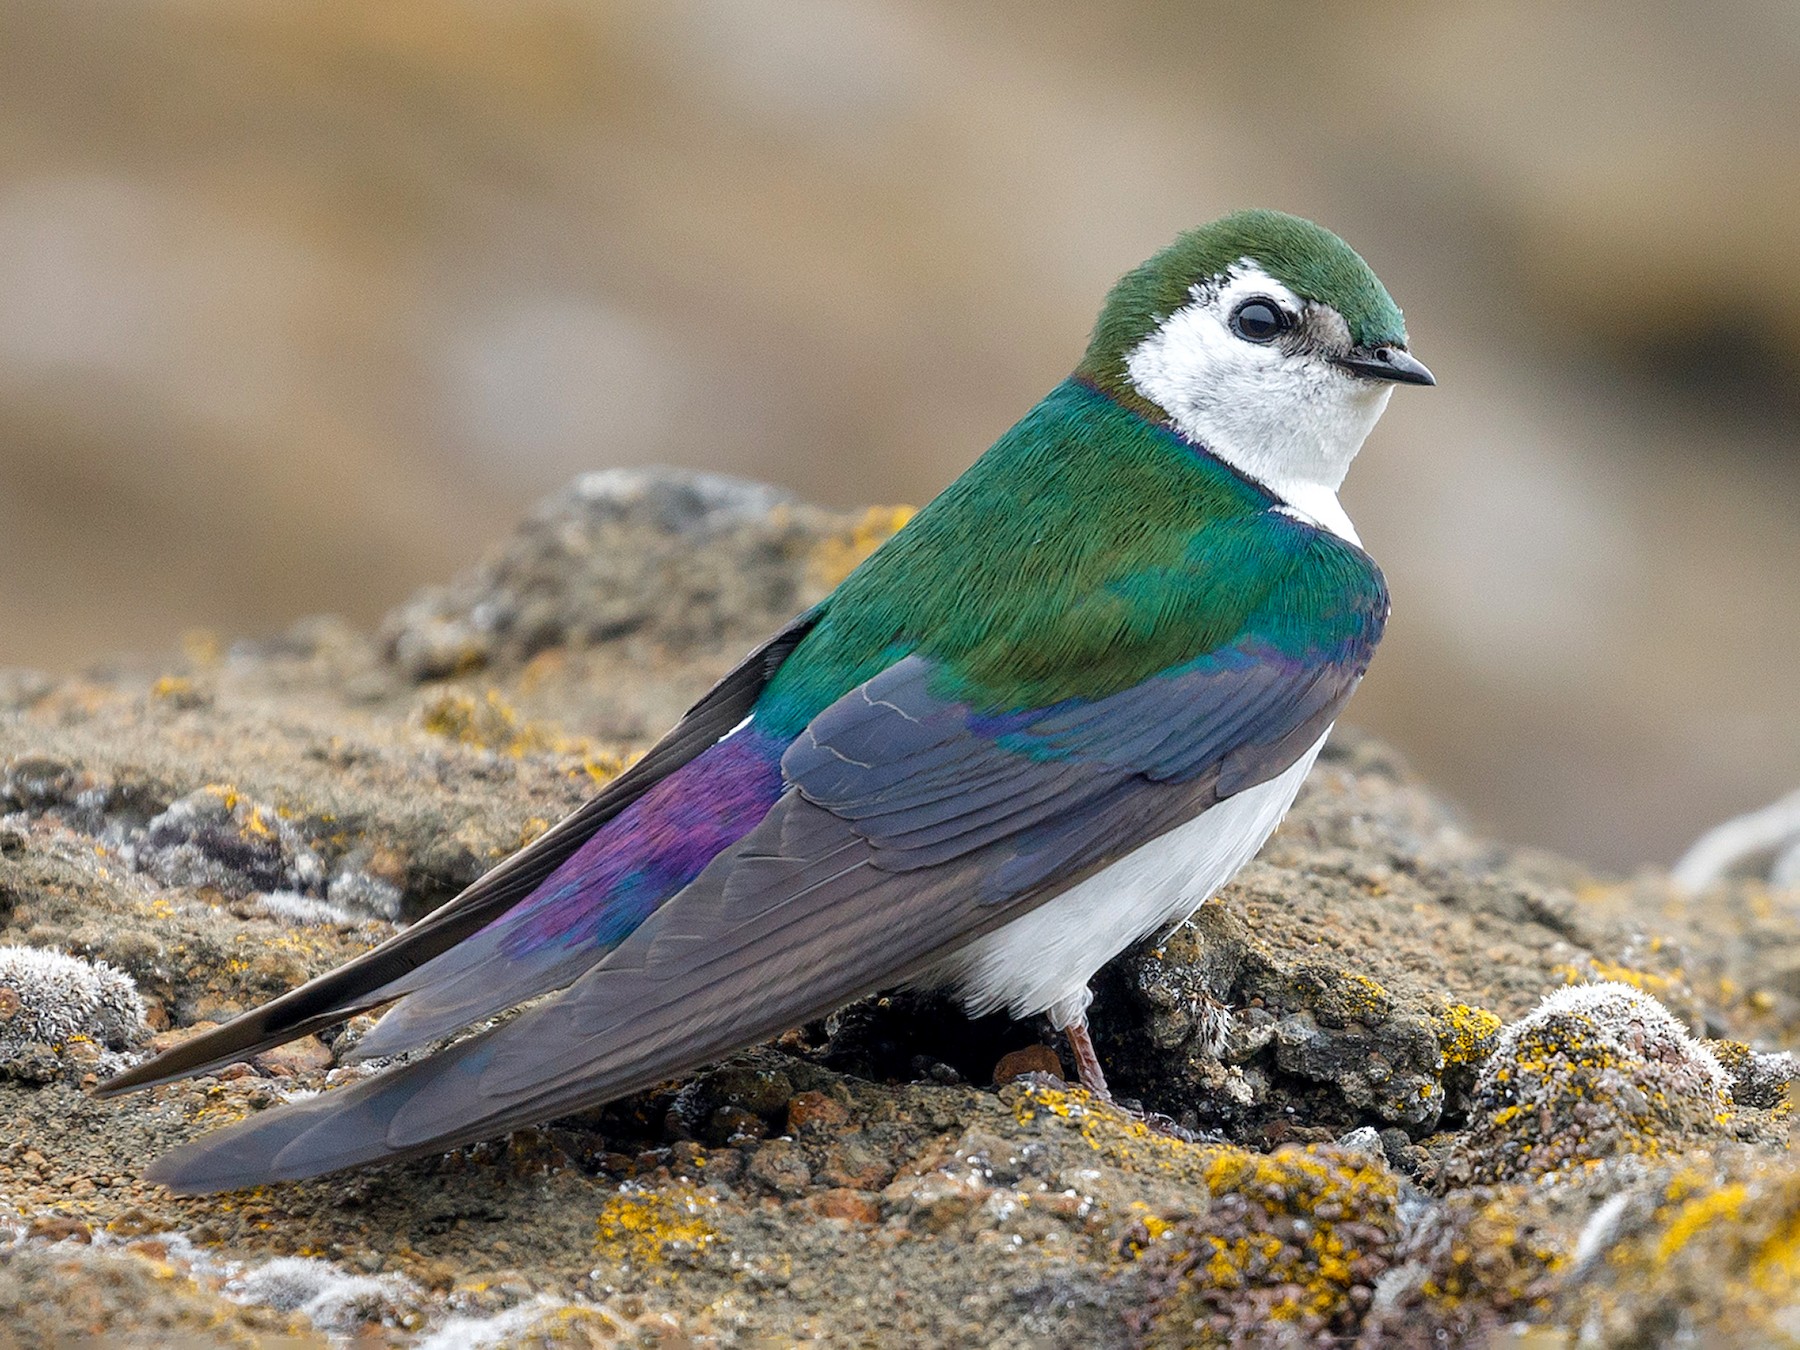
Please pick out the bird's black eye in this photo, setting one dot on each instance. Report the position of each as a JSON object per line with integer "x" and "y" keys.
{"x": 1258, "y": 320}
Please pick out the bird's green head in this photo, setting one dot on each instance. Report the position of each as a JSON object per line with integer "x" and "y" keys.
{"x": 1262, "y": 337}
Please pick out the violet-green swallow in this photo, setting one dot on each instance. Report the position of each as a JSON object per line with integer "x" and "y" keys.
{"x": 1049, "y": 717}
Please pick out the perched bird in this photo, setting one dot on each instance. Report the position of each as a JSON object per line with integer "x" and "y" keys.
{"x": 1052, "y": 715}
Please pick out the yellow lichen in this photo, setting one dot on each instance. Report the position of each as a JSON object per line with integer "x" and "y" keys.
{"x": 1465, "y": 1033}
{"x": 1775, "y": 1269}
{"x": 1146, "y": 1232}
{"x": 839, "y": 556}
{"x": 1723, "y": 1246}
{"x": 1111, "y": 1133}
{"x": 226, "y": 794}
{"x": 573, "y": 1325}
{"x": 174, "y": 689}
{"x": 1364, "y": 996}
{"x": 642, "y": 1227}
{"x": 1669, "y": 987}
{"x": 490, "y": 723}
{"x": 1697, "y": 1213}
{"x": 602, "y": 766}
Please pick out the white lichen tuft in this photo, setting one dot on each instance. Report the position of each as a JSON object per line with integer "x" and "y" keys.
{"x": 1627, "y": 1024}
{"x": 331, "y": 1299}
{"x": 48, "y": 998}
{"x": 360, "y": 895}
{"x": 1594, "y": 1073}
{"x": 1365, "y": 1141}
{"x": 301, "y": 910}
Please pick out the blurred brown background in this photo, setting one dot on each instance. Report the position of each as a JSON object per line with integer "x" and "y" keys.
{"x": 302, "y": 304}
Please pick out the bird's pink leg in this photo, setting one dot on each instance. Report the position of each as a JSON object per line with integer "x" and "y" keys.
{"x": 1087, "y": 1063}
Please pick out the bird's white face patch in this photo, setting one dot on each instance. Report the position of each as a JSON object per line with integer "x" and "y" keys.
{"x": 1292, "y": 420}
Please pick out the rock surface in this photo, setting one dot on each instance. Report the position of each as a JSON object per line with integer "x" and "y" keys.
{"x": 1367, "y": 1124}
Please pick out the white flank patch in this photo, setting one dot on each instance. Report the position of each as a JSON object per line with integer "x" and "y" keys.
{"x": 1043, "y": 961}
{"x": 1293, "y": 422}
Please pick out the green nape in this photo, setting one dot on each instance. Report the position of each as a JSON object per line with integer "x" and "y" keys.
{"x": 1310, "y": 260}
{"x": 1086, "y": 551}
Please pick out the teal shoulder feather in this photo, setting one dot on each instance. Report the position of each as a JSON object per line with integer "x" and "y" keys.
{"x": 1087, "y": 550}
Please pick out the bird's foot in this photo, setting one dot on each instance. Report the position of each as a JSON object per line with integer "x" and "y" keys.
{"x": 1087, "y": 1063}
{"x": 1157, "y": 1123}
{"x": 1093, "y": 1078}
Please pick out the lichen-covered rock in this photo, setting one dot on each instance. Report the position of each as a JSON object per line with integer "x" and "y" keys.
{"x": 216, "y": 837}
{"x": 1595, "y": 1071}
{"x": 1471, "y": 1266}
{"x": 1220, "y": 1028}
{"x": 1288, "y": 1250}
{"x": 1703, "y": 1251}
{"x": 65, "y": 1295}
{"x": 1758, "y": 1080}
{"x": 683, "y": 558}
{"x": 53, "y": 1007}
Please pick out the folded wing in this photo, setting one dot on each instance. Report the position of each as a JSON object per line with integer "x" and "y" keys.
{"x": 914, "y": 819}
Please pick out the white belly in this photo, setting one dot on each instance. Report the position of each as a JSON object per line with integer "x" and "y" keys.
{"x": 1043, "y": 961}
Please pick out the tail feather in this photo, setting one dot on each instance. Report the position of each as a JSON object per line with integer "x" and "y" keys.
{"x": 348, "y": 1127}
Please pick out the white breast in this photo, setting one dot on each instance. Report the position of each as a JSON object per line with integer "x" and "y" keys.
{"x": 1293, "y": 421}
{"x": 1043, "y": 961}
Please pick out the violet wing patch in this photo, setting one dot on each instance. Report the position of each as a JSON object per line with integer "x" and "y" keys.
{"x": 595, "y": 900}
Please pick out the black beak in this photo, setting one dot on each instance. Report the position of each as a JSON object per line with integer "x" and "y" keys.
{"x": 1387, "y": 363}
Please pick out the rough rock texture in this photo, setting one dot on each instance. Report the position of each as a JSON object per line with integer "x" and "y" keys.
{"x": 1373, "y": 1119}
{"x": 55, "y": 1007}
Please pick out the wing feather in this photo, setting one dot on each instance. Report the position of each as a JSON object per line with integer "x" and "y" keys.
{"x": 370, "y": 979}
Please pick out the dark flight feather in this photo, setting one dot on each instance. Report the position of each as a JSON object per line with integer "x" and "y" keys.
{"x": 365, "y": 982}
